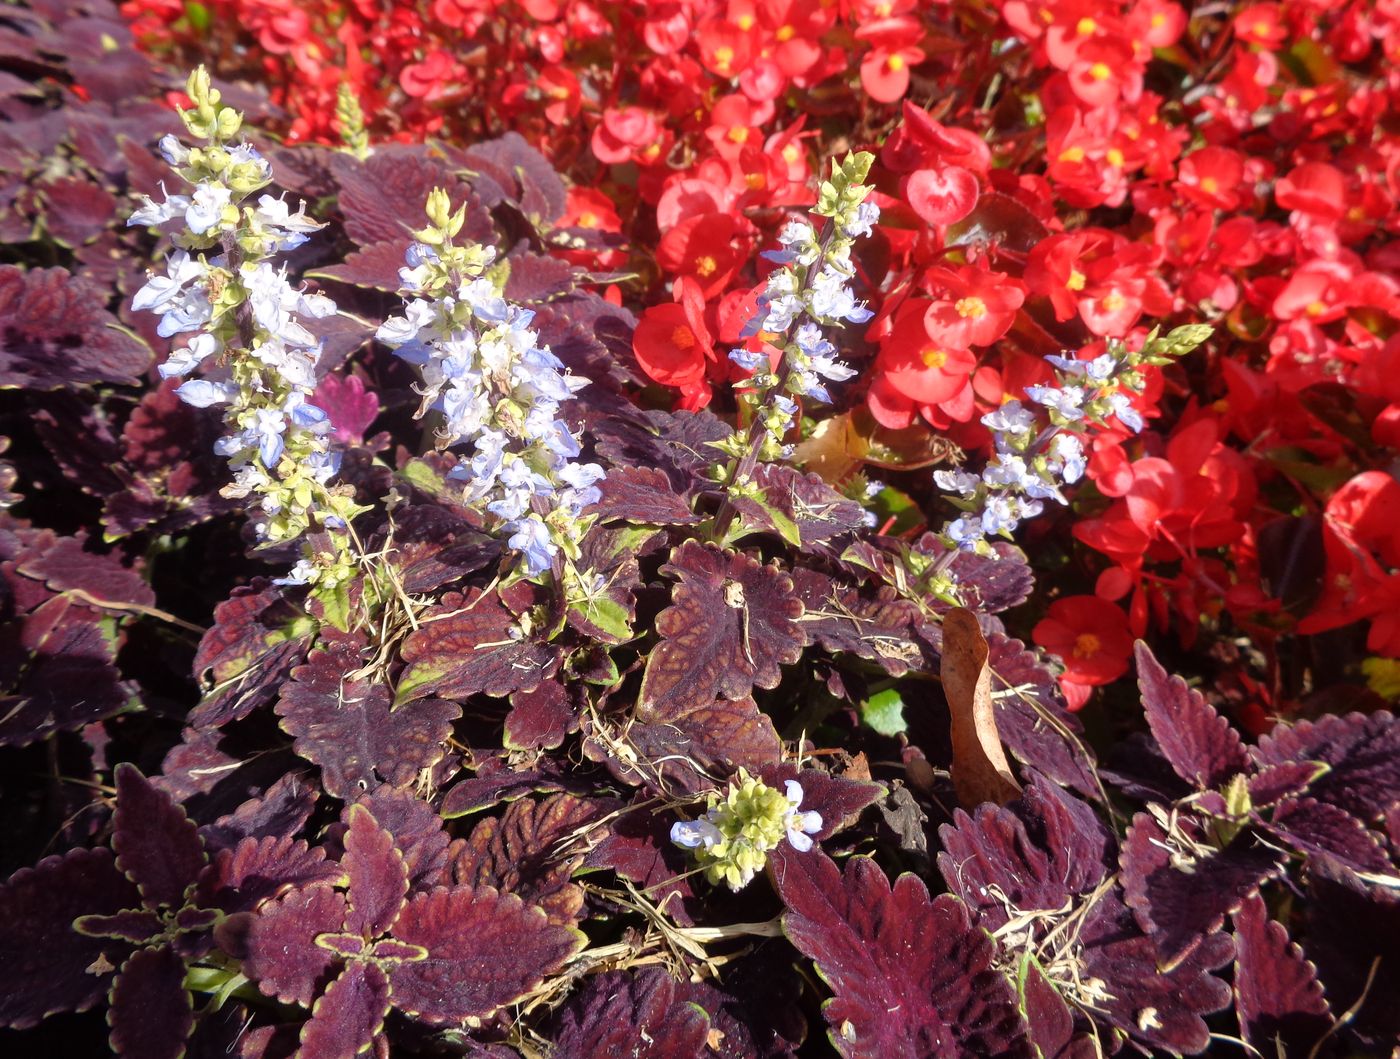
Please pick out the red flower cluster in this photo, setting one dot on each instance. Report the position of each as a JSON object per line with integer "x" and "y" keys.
{"x": 1079, "y": 170}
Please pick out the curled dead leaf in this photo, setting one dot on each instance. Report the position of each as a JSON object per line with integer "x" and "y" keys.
{"x": 980, "y": 770}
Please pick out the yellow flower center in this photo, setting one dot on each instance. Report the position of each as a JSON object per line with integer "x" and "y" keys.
{"x": 1072, "y": 154}
{"x": 1115, "y": 157}
{"x": 683, "y": 337}
{"x": 1085, "y": 26}
{"x": 738, "y": 134}
{"x": 933, "y": 357}
{"x": 588, "y": 219}
{"x": 723, "y": 57}
{"x": 1209, "y": 185}
{"x": 894, "y": 63}
{"x": 705, "y": 266}
{"x": 1086, "y": 645}
{"x": 745, "y": 22}
{"x": 1076, "y": 280}
{"x": 1114, "y": 301}
{"x": 785, "y": 34}
{"x": 1100, "y": 71}
{"x": 1316, "y": 308}
{"x": 971, "y": 308}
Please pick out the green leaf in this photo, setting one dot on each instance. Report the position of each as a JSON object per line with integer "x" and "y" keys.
{"x": 607, "y": 615}
{"x": 884, "y": 712}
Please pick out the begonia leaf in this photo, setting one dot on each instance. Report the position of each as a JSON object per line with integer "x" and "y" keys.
{"x": 911, "y": 976}
{"x": 1162, "y": 1010}
{"x": 732, "y": 623}
{"x": 1200, "y": 744}
{"x": 485, "y": 949}
{"x": 152, "y": 1012}
{"x": 686, "y": 747}
{"x": 417, "y": 831}
{"x": 465, "y": 646}
{"x": 377, "y": 873}
{"x": 532, "y": 850}
{"x": 348, "y": 1016}
{"x": 799, "y": 507}
{"x": 1353, "y": 933}
{"x": 1180, "y": 899}
{"x": 1362, "y": 752}
{"x": 875, "y": 624}
{"x": 56, "y": 331}
{"x": 1311, "y": 826}
{"x": 67, "y": 678}
{"x": 277, "y": 945}
{"x": 349, "y": 729}
{"x": 643, "y": 495}
{"x": 542, "y": 718}
{"x": 157, "y": 846}
{"x": 258, "y": 869}
{"x": 247, "y": 654}
{"x": 638, "y": 1015}
{"x": 45, "y": 965}
{"x": 1277, "y": 995}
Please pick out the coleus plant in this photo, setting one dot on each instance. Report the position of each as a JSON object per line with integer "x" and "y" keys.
{"x": 433, "y": 810}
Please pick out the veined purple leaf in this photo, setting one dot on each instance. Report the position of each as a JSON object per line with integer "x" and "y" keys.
{"x": 417, "y": 832}
{"x": 675, "y": 443}
{"x": 639, "y": 1015}
{"x": 258, "y": 869}
{"x": 732, "y": 623}
{"x": 378, "y": 876}
{"x": 278, "y": 944}
{"x": 872, "y": 623}
{"x": 1162, "y": 1010}
{"x": 45, "y": 965}
{"x": 374, "y": 266}
{"x": 643, "y": 495}
{"x": 800, "y": 508}
{"x": 378, "y": 194}
{"x": 638, "y": 847}
{"x": 542, "y": 718}
{"x": 473, "y": 644}
{"x": 1180, "y": 897}
{"x": 1353, "y": 931}
{"x": 280, "y": 812}
{"x": 985, "y": 583}
{"x": 1312, "y": 827}
{"x": 349, "y": 1015}
{"x": 55, "y": 331}
{"x": 1201, "y": 745}
{"x": 991, "y": 849}
{"x": 508, "y": 169}
{"x": 433, "y": 547}
{"x": 538, "y": 278}
{"x": 152, "y": 1011}
{"x": 1273, "y": 783}
{"x": 135, "y": 925}
{"x": 912, "y": 977}
{"x": 348, "y": 728}
{"x": 1277, "y": 996}
{"x": 1362, "y": 752}
{"x": 157, "y": 845}
{"x": 485, "y": 949}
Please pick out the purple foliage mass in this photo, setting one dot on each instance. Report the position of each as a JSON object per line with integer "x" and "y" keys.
{"x": 432, "y": 815}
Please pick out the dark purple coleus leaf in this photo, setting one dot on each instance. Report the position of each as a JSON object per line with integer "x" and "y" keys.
{"x": 433, "y": 547}
{"x": 1200, "y": 744}
{"x": 1278, "y": 998}
{"x": 1353, "y": 934}
{"x": 985, "y": 583}
{"x": 152, "y": 1011}
{"x": 349, "y": 728}
{"x": 1164, "y": 1011}
{"x": 157, "y": 846}
{"x": 874, "y": 623}
{"x": 59, "y": 674}
{"x": 1032, "y": 719}
{"x": 374, "y": 266}
{"x": 55, "y": 331}
{"x": 675, "y": 443}
{"x": 639, "y": 1015}
{"x": 65, "y": 565}
{"x": 477, "y": 643}
{"x": 643, "y": 495}
{"x": 533, "y": 849}
{"x": 1181, "y": 890}
{"x": 498, "y": 780}
{"x": 1362, "y": 752}
{"x": 508, "y": 169}
{"x": 839, "y": 799}
{"x": 257, "y": 869}
{"x": 418, "y": 834}
{"x": 386, "y": 190}
{"x": 279, "y": 812}
{"x": 638, "y": 847}
{"x": 349, "y": 1014}
{"x": 911, "y": 977}
{"x": 732, "y": 624}
{"x": 685, "y": 748}
{"x": 540, "y": 719}
{"x": 1273, "y": 783}
{"x": 801, "y": 508}
{"x": 1312, "y": 827}
{"x": 249, "y": 651}
{"x": 538, "y": 278}
{"x": 46, "y": 966}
